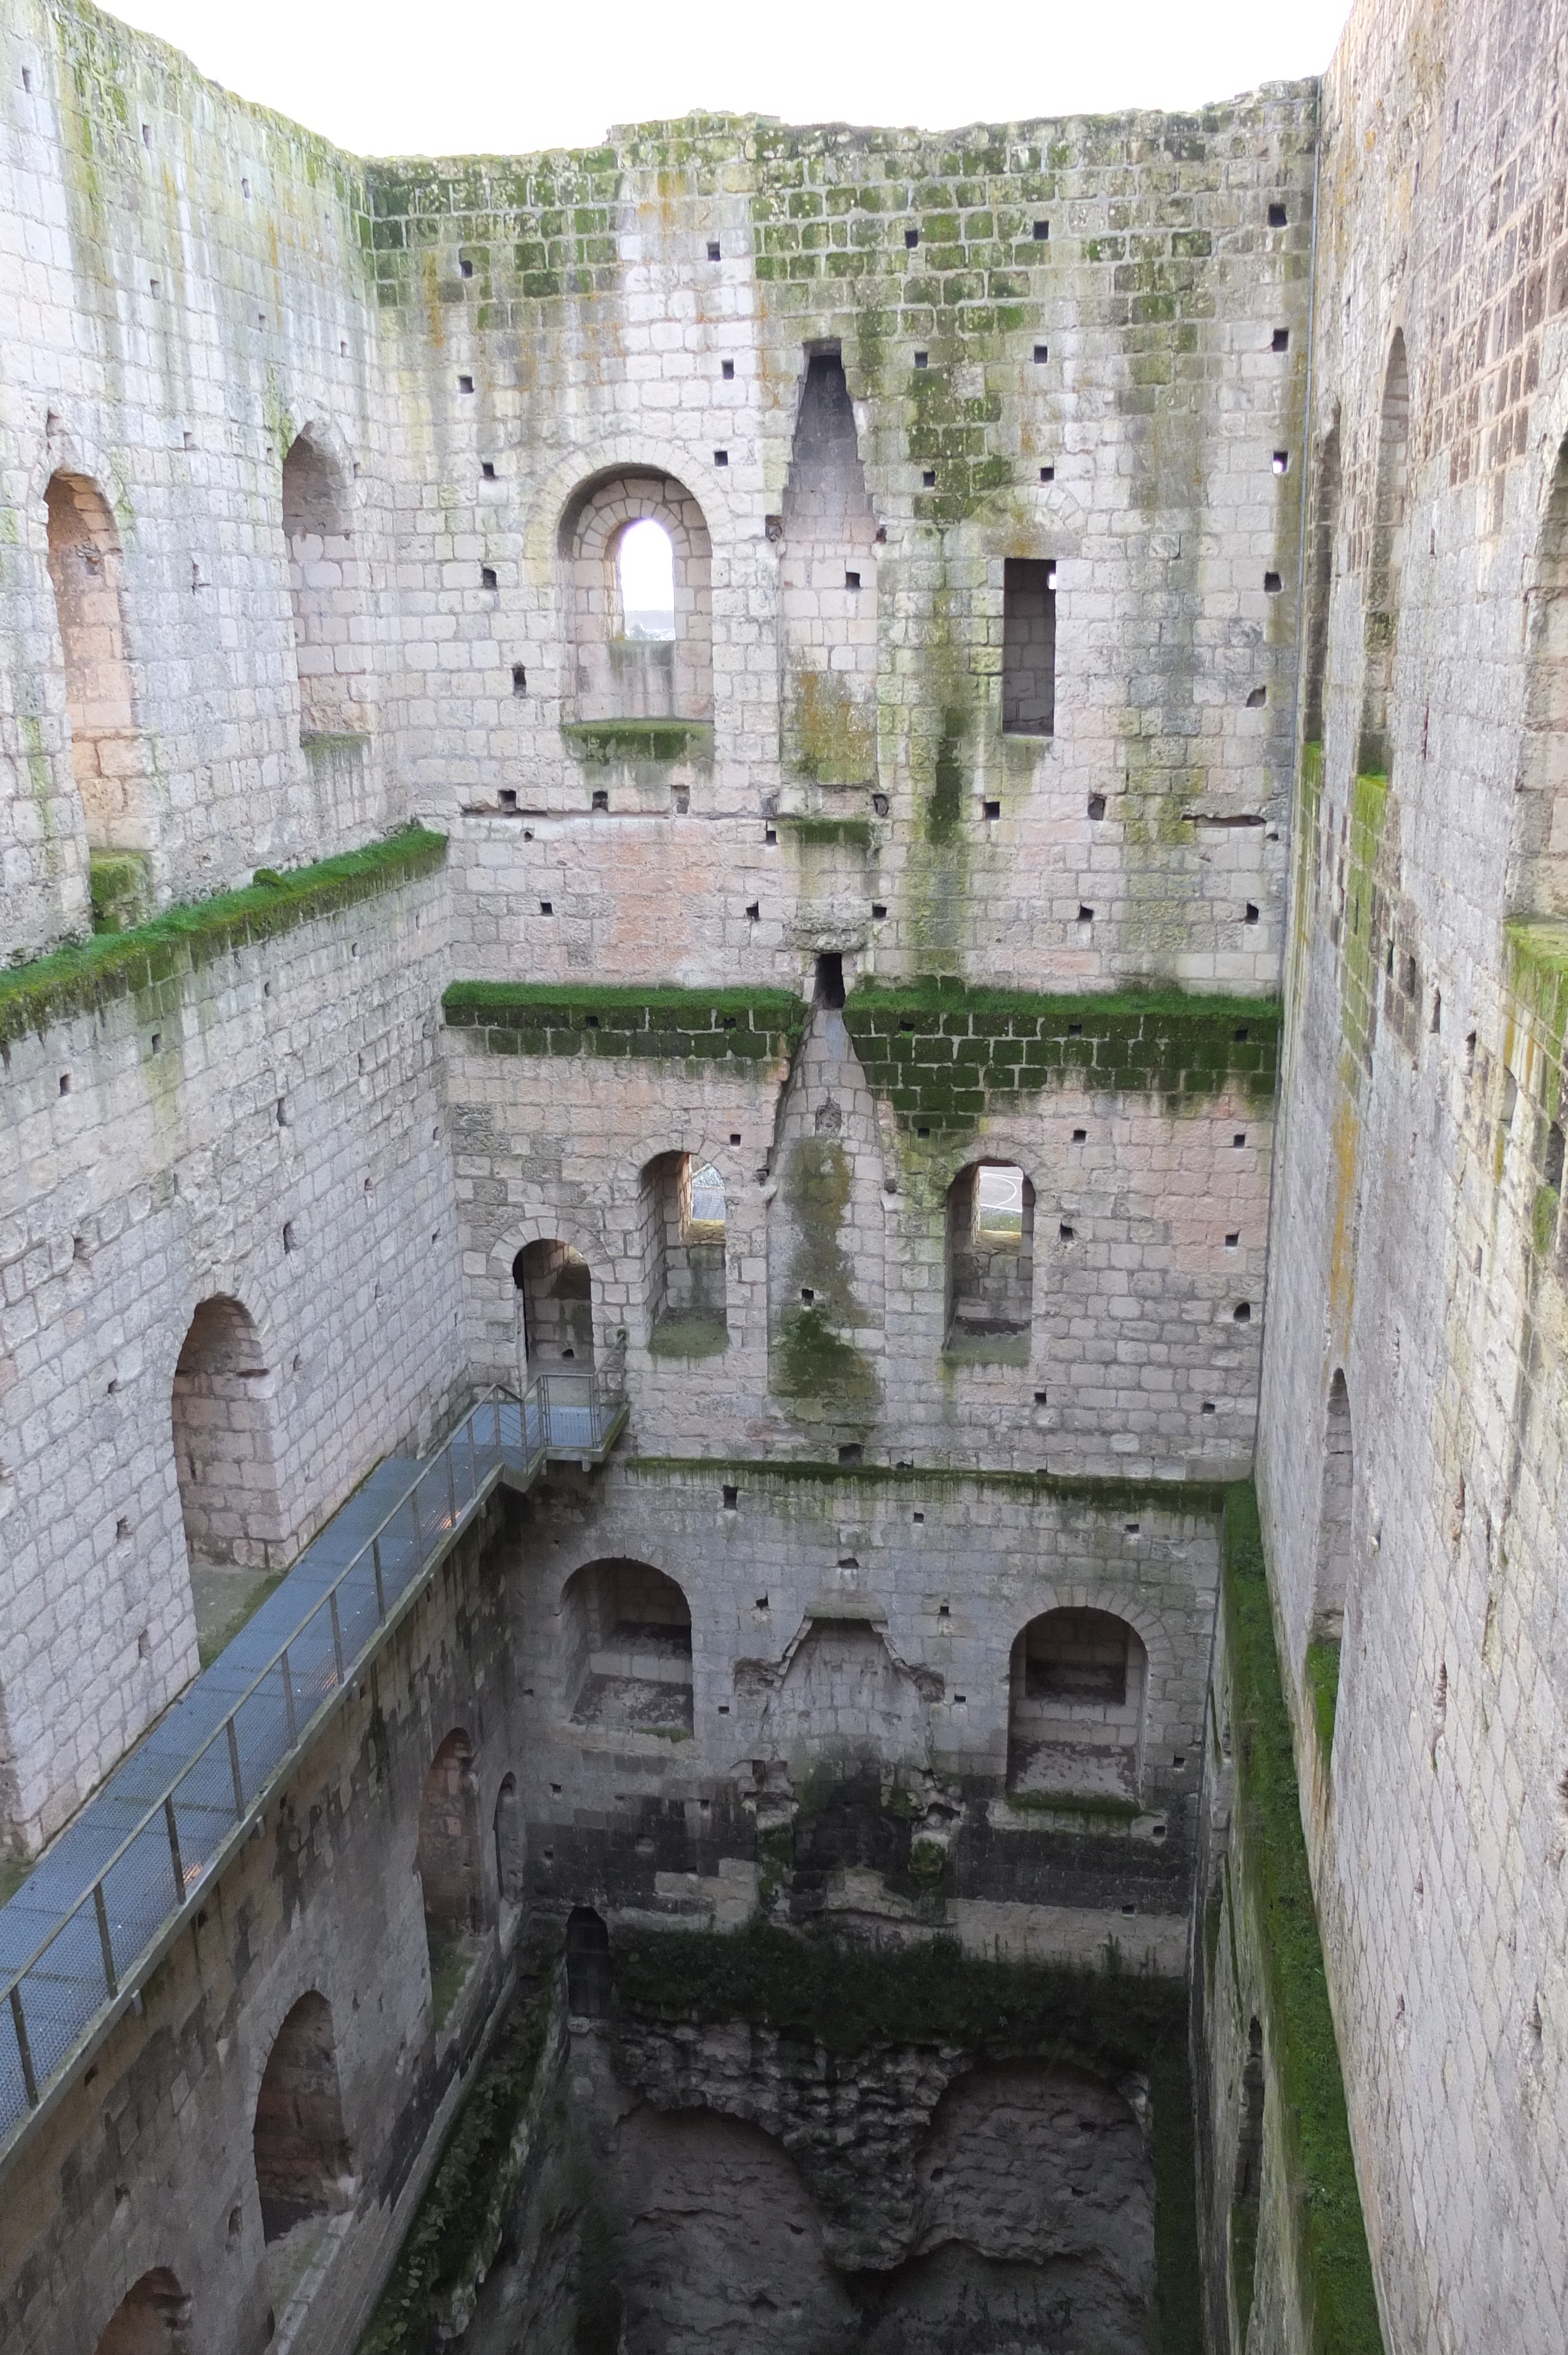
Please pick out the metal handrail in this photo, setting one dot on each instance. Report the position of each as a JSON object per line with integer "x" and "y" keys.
{"x": 326, "y": 1678}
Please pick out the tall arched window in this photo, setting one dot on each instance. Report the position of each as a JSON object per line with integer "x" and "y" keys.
{"x": 1076, "y": 1718}
{"x": 1538, "y": 865}
{"x": 627, "y": 1657}
{"x": 1384, "y": 572}
{"x": 107, "y": 755}
{"x": 303, "y": 2170}
{"x": 633, "y": 656}
{"x": 991, "y": 1263}
{"x": 683, "y": 1255}
{"x": 510, "y": 1842}
{"x": 324, "y": 591}
{"x": 154, "y": 2318}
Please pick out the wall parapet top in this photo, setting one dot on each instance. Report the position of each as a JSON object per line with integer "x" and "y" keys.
{"x": 545, "y": 1019}
{"x": 86, "y": 975}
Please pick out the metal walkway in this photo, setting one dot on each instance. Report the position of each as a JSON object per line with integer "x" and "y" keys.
{"x": 109, "y": 1896}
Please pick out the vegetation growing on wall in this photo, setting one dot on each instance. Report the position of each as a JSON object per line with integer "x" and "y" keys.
{"x": 853, "y": 1489}
{"x": 601, "y": 742}
{"x": 1272, "y": 1878}
{"x": 945, "y": 1054}
{"x": 551, "y": 1019}
{"x": 89, "y": 974}
{"x": 851, "y": 2000}
{"x": 458, "y": 2230}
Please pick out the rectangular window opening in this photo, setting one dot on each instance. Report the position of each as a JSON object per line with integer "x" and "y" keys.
{"x": 1028, "y": 646}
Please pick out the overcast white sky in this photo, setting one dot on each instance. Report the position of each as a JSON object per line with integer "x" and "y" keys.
{"x": 400, "y": 77}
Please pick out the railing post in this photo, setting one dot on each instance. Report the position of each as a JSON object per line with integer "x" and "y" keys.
{"x": 234, "y": 1770}
{"x": 472, "y": 1457}
{"x": 110, "y": 1981}
{"x": 452, "y": 1487}
{"x": 419, "y": 1540}
{"x": 289, "y": 1698}
{"x": 29, "y": 2082}
{"x": 336, "y": 1635}
{"x": 174, "y": 1831}
{"x": 380, "y": 1590}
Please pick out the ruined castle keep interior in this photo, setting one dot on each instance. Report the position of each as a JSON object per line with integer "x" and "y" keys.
{"x": 783, "y": 1282}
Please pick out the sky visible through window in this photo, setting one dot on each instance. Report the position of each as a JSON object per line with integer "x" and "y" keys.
{"x": 385, "y": 78}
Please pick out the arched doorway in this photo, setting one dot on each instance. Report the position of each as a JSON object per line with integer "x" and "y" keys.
{"x": 682, "y": 1205}
{"x": 627, "y": 1643}
{"x": 303, "y": 2167}
{"x": 555, "y": 1288}
{"x": 447, "y": 1858}
{"x": 221, "y": 1411}
{"x": 588, "y": 1964}
{"x": 153, "y": 2318}
{"x": 1077, "y": 1707}
{"x": 991, "y": 1263}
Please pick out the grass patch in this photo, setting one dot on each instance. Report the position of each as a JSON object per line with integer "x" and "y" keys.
{"x": 450, "y": 1967}
{"x": 1323, "y": 1692}
{"x": 89, "y": 974}
{"x": 545, "y": 1019}
{"x": 1272, "y": 1876}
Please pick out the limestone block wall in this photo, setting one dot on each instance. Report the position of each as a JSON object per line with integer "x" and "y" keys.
{"x": 1146, "y": 1137}
{"x": 260, "y": 1124}
{"x": 1414, "y": 1251}
{"x": 851, "y": 1645}
{"x": 181, "y": 297}
{"x": 148, "y": 2161}
{"x": 1074, "y": 343}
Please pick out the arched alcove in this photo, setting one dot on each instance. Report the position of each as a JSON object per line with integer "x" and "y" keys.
{"x": 108, "y": 758}
{"x": 325, "y": 590}
{"x": 511, "y": 1850}
{"x": 1386, "y": 565}
{"x": 1320, "y": 579}
{"x": 303, "y": 2165}
{"x": 1538, "y": 862}
{"x": 624, "y": 665}
{"x": 588, "y": 1964}
{"x": 1335, "y": 1510}
{"x": 627, "y": 1649}
{"x": 828, "y": 586}
{"x": 682, "y": 1236}
{"x": 555, "y": 1287}
{"x": 990, "y": 1263}
{"x": 1078, "y": 1685}
{"x": 447, "y": 1858}
{"x": 154, "y": 2318}
{"x": 222, "y": 1407}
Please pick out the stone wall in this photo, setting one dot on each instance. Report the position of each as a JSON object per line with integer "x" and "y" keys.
{"x": 1414, "y": 1224}
{"x": 244, "y": 1113}
{"x": 152, "y": 2161}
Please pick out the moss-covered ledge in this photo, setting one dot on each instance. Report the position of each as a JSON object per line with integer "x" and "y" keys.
{"x": 851, "y": 2000}
{"x": 512, "y": 1017}
{"x": 89, "y": 974}
{"x": 1271, "y": 1875}
{"x": 945, "y": 1054}
{"x": 602, "y": 743}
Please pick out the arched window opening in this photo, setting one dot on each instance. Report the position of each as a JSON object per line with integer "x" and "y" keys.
{"x": 107, "y": 756}
{"x": 683, "y": 1257}
{"x": 1320, "y": 579}
{"x": 510, "y": 1846}
{"x": 828, "y": 586}
{"x": 447, "y": 1857}
{"x": 991, "y": 1263}
{"x": 154, "y": 2318}
{"x": 1028, "y": 646}
{"x": 555, "y": 1288}
{"x": 1537, "y": 864}
{"x": 1387, "y": 565}
{"x": 325, "y": 592}
{"x": 222, "y": 1415}
{"x": 1247, "y": 2190}
{"x": 645, "y": 574}
{"x": 627, "y": 1633}
{"x": 640, "y": 592}
{"x": 304, "y": 2171}
{"x": 1075, "y": 1720}
{"x": 588, "y": 1964}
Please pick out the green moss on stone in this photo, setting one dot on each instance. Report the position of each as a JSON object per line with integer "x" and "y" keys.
{"x": 1544, "y": 1219}
{"x": 828, "y": 833}
{"x": 1322, "y": 1669}
{"x": 691, "y": 1336}
{"x": 1205, "y": 1498}
{"x": 89, "y": 974}
{"x": 1273, "y": 1879}
{"x": 122, "y": 888}
{"x": 511, "y": 1017}
{"x": 601, "y": 742}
